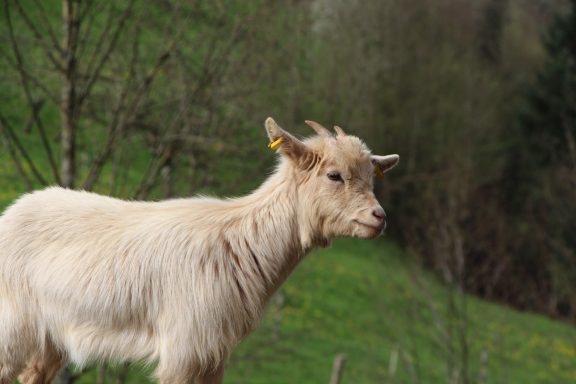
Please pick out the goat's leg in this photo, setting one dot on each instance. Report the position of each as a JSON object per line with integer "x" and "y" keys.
{"x": 16, "y": 341}
{"x": 213, "y": 377}
{"x": 165, "y": 378}
{"x": 170, "y": 371}
{"x": 42, "y": 368}
{"x": 8, "y": 373}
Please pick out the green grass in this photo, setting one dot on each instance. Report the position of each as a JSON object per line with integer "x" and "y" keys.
{"x": 366, "y": 300}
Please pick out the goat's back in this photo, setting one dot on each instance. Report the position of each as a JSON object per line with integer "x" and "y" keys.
{"x": 80, "y": 265}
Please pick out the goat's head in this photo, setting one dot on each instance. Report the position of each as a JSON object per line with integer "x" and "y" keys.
{"x": 335, "y": 176}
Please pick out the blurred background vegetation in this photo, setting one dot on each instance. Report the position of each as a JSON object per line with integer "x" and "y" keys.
{"x": 167, "y": 98}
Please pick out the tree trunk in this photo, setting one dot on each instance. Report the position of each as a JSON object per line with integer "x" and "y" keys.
{"x": 68, "y": 102}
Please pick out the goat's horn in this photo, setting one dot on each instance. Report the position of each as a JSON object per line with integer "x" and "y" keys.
{"x": 339, "y": 131}
{"x": 318, "y": 128}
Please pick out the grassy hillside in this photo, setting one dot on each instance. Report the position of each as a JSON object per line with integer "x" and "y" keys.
{"x": 365, "y": 300}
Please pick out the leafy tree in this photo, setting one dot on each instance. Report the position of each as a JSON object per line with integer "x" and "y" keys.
{"x": 549, "y": 121}
{"x": 543, "y": 172}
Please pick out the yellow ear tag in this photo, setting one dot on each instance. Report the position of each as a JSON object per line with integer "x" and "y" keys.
{"x": 378, "y": 171}
{"x": 274, "y": 145}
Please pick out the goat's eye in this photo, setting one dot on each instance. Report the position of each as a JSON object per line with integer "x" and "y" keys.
{"x": 334, "y": 176}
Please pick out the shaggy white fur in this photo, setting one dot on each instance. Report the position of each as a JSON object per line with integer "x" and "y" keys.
{"x": 85, "y": 277}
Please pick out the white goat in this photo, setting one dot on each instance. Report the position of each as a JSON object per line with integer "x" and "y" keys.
{"x": 87, "y": 278}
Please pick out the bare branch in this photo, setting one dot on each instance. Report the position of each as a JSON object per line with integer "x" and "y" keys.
{"x": 107, "y": 149}
{"x": 213, "y": 66}
{"x": 35, "y": 81}
{"x": 84, "y": 13}
{"x": 38, "y": 35}
{"x": 153, "y": 172}
{"x": 106, "y": 55}
{"x": 15, "y": 159}
{"x": 7, "y": 129}
{"x": 27, "y": 92}
{"x": 142, "y": 91}
{"x": 87, "y": 18}
{"x": 113, "y": 126}
{"x": 30, "y": 123}
{"x": 49, "y": 29}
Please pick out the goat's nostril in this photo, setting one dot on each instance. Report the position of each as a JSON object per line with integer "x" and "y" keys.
{"x": 379, "y": 213}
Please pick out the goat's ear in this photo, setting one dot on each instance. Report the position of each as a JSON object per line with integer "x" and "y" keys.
{"x": 384, "y": 163}
{"x": 284, "y": 141}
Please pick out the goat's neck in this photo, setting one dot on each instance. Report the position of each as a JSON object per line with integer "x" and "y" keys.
{"x": 275, "y": 237}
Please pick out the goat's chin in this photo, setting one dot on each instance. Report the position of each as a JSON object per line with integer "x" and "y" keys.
{"x": 364, "y": 231}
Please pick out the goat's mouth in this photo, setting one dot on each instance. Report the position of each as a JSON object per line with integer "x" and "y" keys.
{"x": 376, "y": 228}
